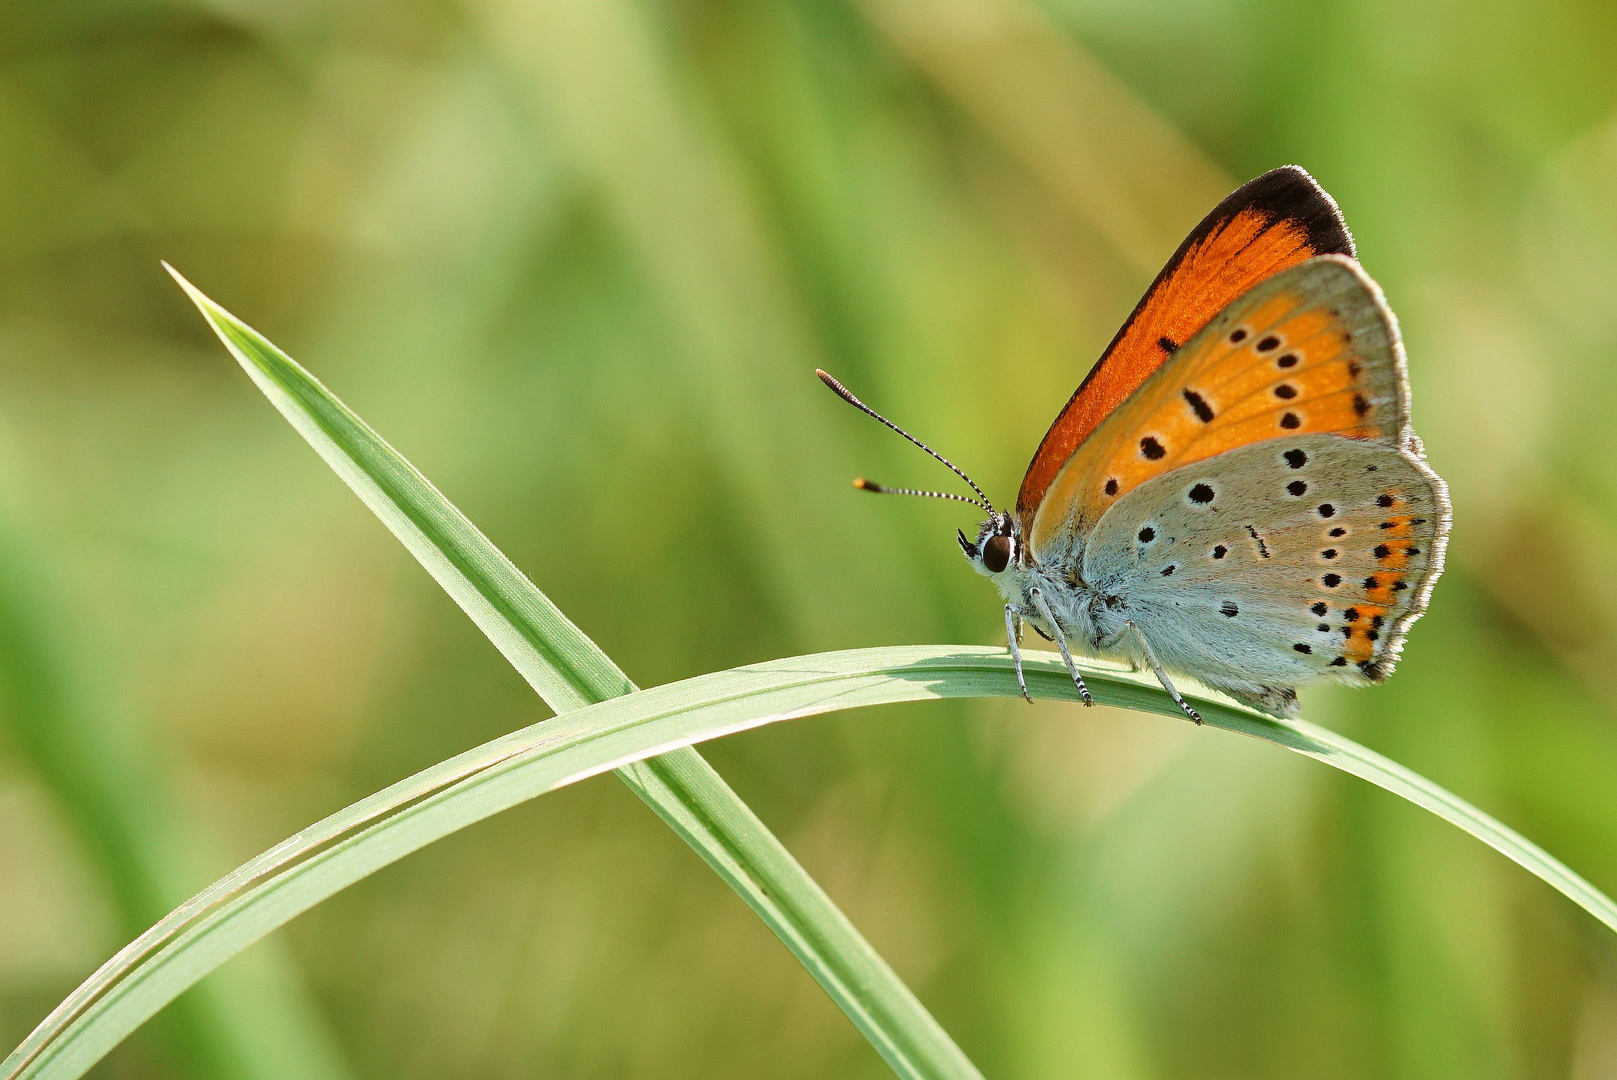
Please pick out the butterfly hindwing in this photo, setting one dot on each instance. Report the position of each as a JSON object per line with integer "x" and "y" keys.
{"x": 1313, "y": 350}
{"x": 1269, "y": 224}
{"x": 1279, "y": 563}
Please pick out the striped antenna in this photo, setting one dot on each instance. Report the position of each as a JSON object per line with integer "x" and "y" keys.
{"x": 865, "y": 485}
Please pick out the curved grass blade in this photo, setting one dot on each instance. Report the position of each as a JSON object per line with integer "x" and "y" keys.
{"x": 391, "y": 824}
{"x": 255, "y": 1024}
{"x": 569, "y": 671}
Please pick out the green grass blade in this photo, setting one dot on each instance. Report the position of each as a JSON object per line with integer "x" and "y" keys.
{"x": 389, "y": 825}
{"x": 569, "y": 671}
{"x": 553, "y": 655}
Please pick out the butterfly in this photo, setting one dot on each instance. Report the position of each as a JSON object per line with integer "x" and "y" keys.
{"x": 1234, "y": 493}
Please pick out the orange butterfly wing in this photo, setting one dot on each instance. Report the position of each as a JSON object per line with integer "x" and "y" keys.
{"x": 1267, "y": 225}
{"x": 1311, "y": 351}
{"x": 1294, "y": 400}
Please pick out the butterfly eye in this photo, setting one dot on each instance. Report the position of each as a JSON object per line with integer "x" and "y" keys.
{"x": 997, "y": 553}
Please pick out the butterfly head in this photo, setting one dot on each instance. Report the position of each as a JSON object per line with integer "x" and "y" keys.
{"x": 998, "y": 546}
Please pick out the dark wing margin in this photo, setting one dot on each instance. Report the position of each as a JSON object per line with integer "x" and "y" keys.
{"x": 1267, "y": 225}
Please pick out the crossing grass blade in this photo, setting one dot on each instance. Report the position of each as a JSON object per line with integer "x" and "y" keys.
{"x": 382, "y": 829}
{"x": 569, "y": 671}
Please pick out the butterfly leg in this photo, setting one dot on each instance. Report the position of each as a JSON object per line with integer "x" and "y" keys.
{"x": 1013, "y": 638}
{"x": 1162, "y": 676}
{"x": 1061, "y": 643}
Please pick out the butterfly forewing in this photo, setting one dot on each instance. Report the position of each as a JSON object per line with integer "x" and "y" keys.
{"x": 1274, "y": 222}
{"x": 1313, "y": 350}
{"x": 1279, "y": 563}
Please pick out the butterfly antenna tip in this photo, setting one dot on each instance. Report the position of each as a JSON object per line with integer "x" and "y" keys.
{"x": 866, "y": 485}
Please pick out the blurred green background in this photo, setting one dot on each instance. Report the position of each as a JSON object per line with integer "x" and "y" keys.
{"x": 577, "y": 259}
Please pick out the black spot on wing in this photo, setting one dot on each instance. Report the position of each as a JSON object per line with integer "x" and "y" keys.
{"x": 1199, "y": 406}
